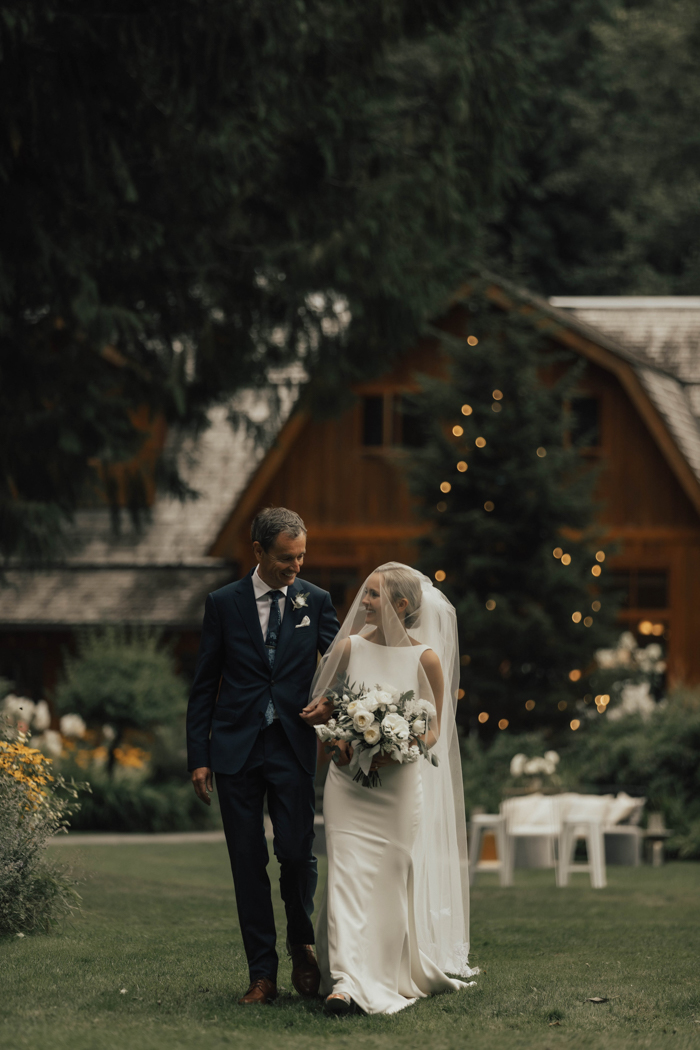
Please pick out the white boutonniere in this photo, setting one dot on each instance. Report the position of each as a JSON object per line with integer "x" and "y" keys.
{"x": 300, "y": 600}
{"x": 306, "y": 622}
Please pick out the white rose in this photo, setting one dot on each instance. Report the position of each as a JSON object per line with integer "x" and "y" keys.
{"x": 517, "y": 765}
{"x": 413, "y": 752}
{"x": 373, "y": 735}
{"x": 42, "y": 715}
{"x": 535, "y": 765}
{"x": 548, "y": 767}
{"x": 72, "y": 725}
{"x": 323, "y": 733}
{"x": 552, "y": 756}
{"x": 393, "y": 708}
{"x": 419, "y": 727}
{"x": 352, "y": 707}
{"x": 396, "y": 726}
{"x": 362, "y": 719}
{"x": 427, "y": 708}
{"x": 371, "y": 701}
{"x": 331, "y": 723}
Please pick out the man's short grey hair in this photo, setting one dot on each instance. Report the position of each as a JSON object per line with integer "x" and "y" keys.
{"x": 269, "y": 523}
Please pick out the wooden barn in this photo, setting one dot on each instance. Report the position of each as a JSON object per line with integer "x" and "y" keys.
{"x": 641, "y": 391}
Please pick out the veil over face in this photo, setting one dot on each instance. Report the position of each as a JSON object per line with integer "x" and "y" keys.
{"x": 398, "y": 606}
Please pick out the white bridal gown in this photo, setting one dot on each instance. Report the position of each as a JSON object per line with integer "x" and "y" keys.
{"x": 366, "y": 931}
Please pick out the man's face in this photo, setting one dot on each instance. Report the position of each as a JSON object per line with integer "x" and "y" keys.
{"x": 280, "y": 565}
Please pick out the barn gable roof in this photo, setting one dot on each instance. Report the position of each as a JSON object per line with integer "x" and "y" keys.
{"x": 162, "y": 573}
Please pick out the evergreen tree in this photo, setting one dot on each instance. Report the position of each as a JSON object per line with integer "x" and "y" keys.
{"x": 192, "y": 193}
{"x": 608, "y": 199}
{"x": 513, "y": 540}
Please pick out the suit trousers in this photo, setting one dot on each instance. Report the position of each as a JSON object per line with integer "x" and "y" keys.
{"x": 272, "y": 768}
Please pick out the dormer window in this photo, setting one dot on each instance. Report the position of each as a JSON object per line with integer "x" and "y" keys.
{"x": 387, "y": 422}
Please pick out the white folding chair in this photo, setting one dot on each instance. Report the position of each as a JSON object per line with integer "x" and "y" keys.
{"x": 623, "y": 834}
{"x": 479, "y": 825}
{"x": 583, "y": 817}
{"x": 529, "y": 817}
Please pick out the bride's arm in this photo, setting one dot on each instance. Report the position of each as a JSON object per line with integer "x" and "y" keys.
{"x": 319, "y": 710}
{"x": 433, "y": 672}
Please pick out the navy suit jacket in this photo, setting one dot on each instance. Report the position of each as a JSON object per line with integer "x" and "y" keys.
{"x": 234, "y": 682}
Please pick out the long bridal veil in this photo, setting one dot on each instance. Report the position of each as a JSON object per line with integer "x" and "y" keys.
{"x": 441, "y": 880}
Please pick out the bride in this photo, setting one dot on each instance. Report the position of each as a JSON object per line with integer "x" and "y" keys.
{"x": 394, "y": 918}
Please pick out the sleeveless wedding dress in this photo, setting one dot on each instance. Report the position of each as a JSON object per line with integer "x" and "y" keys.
{"x": 366, "y": 931}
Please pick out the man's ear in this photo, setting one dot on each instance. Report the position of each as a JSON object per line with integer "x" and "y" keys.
{"x": 258, "y": 551}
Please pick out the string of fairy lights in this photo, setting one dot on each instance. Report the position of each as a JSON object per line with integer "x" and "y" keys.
{"x": 563, "y": 557}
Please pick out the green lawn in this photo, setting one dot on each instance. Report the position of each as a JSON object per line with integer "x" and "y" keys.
{"x": 159, "y": 922}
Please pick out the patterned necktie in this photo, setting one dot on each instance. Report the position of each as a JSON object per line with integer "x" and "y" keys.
{"x": 273, "y": 632}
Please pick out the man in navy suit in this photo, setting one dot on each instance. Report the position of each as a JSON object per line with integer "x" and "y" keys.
{"x": 246, "y": 724}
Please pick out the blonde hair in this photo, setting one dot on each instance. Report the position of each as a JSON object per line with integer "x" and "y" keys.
{"x": 402, "y": 582}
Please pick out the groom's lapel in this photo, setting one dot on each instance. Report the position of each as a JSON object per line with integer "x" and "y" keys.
{"x": 290, "y": 619}
{"x": 245, "y": 598}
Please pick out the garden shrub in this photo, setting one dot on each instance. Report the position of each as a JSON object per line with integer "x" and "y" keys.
{"x": 35, "y": 803}
{"x": 121, "y": 679}
{"x": 655, "y": 755}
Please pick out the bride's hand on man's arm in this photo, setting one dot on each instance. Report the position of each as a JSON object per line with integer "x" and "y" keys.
{"x": 317, "y": 712}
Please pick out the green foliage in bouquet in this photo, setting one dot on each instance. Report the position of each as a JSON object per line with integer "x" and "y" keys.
{"x": 124, "y": 678}
{"x": 35, "y": 804}
{"x": 511, "y": 508}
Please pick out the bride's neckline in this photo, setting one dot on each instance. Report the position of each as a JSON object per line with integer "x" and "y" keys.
{"x": 379, "y": 645}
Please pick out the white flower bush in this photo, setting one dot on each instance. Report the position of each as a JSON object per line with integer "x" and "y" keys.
{"x": 632, "y": 669}
{"x": 539, "y": 766}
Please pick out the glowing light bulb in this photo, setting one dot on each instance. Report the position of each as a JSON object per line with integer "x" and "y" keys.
{"x": 489, "y": 506}
{"x": 576, "y": 617}
{"x": 442, "y": 506}
{"x": 574, "y": 675}
{"x": 483, "y": 716}
{"x": 588, "y": 622}
{"x": 600, "y": 556}
{"x": 529, "y": 705}
{"x": 574, "y": 724}
{"x": 541, "y": 452}
{"x": 497, "y": 395}
{"x": 596, "y": 570}
{"x": 480, "y": 442}
{"x": 472, "y": 340}
{"x": 566, "y": 559}
{"x": 557, "y": 552}
{"x": 595, "y": 606}
{"x": 495, "y": 407}
{"x": 458, "y": 431}
{"x": 467, "y": 410}
{"x": 503, "y": 723}
{"x": 440, "y": 575}
{"x": 490, "y": 605}
{"x": 462, "y": 466}
{"x": 445, "y": 486}
{"x": 562, "y": 705}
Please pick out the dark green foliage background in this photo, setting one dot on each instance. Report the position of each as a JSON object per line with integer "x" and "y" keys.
{"x": 525, "y": 648}
{"x": 177, "y": 180}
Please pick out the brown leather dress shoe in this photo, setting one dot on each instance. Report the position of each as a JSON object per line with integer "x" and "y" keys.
{"x": 261, "y": 992}
{"x": 306, "y": 976}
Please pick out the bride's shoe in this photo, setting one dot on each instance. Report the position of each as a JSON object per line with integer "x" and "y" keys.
{"x": 339, "y": 1005}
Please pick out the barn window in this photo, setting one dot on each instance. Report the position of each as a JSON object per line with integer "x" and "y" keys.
{"x": 389, "y": 422}
{"x": 584, "y": 426}
{"x": 373, "y": 421}
{"x": 641, "y": 588}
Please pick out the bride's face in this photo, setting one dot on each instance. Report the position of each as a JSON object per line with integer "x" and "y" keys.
{"x": 372, "y": 601}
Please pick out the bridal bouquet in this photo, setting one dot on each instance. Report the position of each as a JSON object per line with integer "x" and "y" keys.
{"x": 380, "y": 720}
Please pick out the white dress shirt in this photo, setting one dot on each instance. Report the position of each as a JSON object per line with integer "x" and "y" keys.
{"x": 263, "y": 600}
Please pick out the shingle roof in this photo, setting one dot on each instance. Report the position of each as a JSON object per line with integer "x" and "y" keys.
{"x": 83, "y": 595}
{"x": 663, "y": 334}
{"x": 161, "y": 573}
